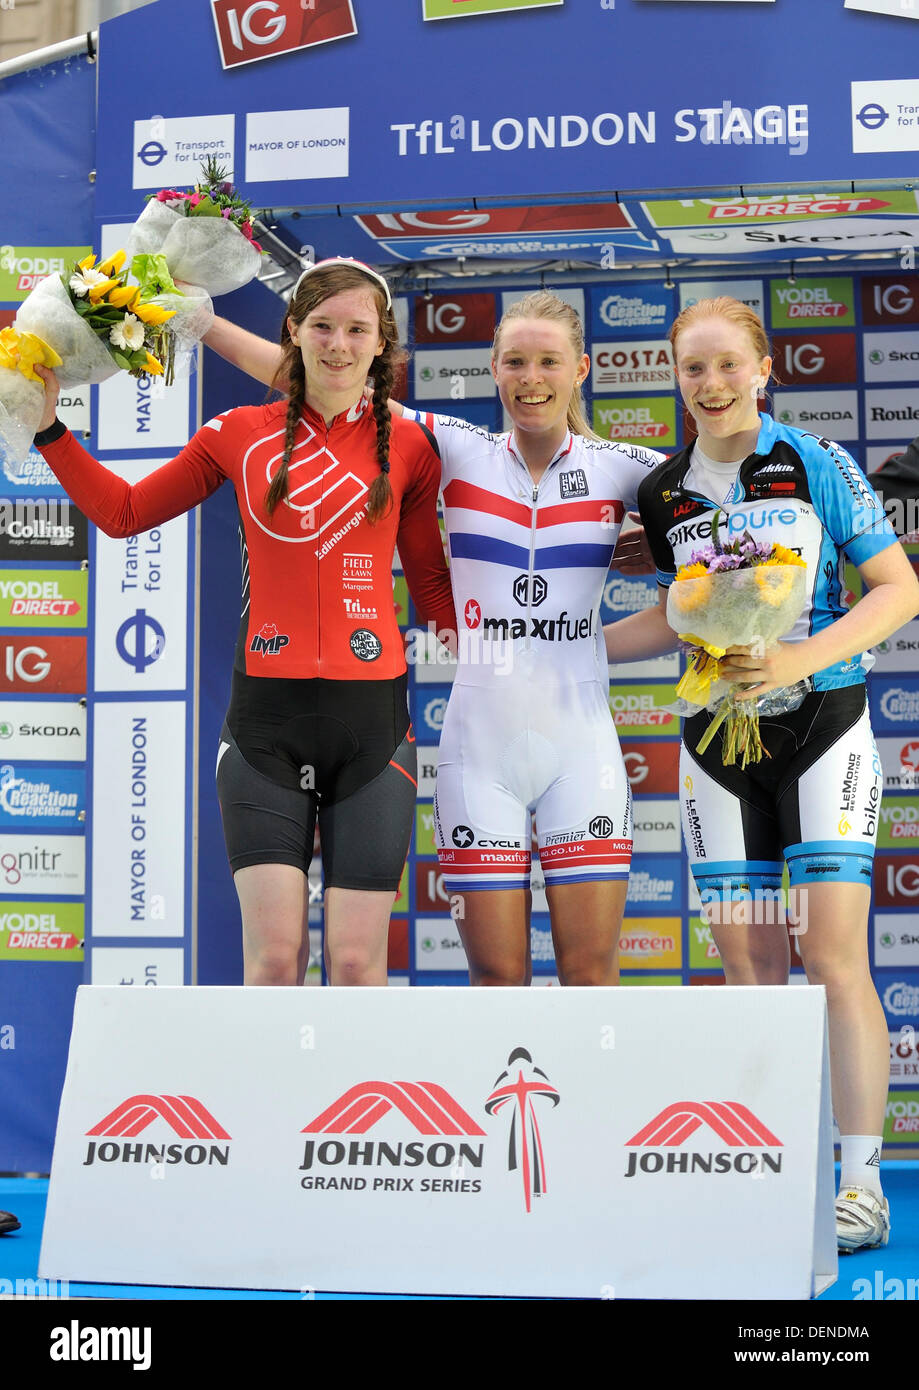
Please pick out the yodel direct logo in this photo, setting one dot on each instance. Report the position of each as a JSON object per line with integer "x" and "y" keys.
{"x": 731, "y": 1122}
{"x": 185, "y": 1116}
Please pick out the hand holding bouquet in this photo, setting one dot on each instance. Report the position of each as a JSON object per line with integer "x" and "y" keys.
{"x": 87, "y": 325}
{"x": 737, "y": 595}
{"x": 204, "y": 236}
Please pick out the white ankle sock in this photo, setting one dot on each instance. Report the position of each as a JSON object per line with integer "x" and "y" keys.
{"x": 860, "y": 1162}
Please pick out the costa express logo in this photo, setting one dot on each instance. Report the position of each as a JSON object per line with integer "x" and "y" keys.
{"x": 744, "y": 1135}
{"x": 426, "y": 1108}
{"x": 266, "y": 28}
{"x": 185, "y": 1116}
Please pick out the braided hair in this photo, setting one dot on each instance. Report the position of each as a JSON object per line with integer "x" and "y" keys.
{"x": 322, "y": 284}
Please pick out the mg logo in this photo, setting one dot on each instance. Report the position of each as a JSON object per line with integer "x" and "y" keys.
{"x": 527, "y": 591}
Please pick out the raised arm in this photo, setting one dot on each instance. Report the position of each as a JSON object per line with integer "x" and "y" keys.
{"x": 253, "y": 355}
{"x": 115, "y": 506}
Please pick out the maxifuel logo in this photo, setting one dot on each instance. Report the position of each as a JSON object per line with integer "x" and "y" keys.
{"x": 185, "y": 1116}
{"x": 747, "y": 1141}
{"x": 438, "y": 1162}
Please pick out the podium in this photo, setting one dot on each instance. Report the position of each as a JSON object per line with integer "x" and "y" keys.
{"x": 580, "y": 1143}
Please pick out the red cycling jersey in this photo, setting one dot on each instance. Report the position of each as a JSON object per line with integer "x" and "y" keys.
{"x": 317, "y": 576}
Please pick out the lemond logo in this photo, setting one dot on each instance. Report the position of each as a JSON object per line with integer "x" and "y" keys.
{"x": 185, "y": 1116}
{"x": 525, "y": 1149}
{"x": 732, "y": 1123}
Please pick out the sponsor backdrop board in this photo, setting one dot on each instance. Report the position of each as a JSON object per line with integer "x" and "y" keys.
{"x": 299, "y": 116}
{"x": 553, "y": 1143}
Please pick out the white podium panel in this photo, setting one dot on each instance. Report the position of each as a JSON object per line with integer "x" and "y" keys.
{"x": 447, "y": 1141}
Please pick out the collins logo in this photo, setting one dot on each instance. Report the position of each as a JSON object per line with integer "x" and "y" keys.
{"x": 427, "y": 1107}
{"x": 265, "y": 28}
{"x": 268, "y": 641}
{"x": 526, "y": 592}
{"x": 516, "y": 1089}
{"x": 185, "y": 1116}
{"x": 730, "y": 1121}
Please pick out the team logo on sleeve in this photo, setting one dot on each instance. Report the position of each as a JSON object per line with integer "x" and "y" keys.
{"x": 365, "y": 645}
{"x": 573, "y": 484}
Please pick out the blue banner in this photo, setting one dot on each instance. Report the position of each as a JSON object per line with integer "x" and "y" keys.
{"x": 533, "y": 103}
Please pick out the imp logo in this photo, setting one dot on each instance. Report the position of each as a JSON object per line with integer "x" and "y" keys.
{"x": 268, "y": 641}
{"x": 462, "y": 836}
{"x": 532, "y": 591}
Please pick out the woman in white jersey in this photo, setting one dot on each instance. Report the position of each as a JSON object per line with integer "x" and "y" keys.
{"x": 813, "y": 803}
{"x": 532, "y": 519}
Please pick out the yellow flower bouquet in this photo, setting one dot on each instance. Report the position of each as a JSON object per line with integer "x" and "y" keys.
{"x": 739, "y": 594}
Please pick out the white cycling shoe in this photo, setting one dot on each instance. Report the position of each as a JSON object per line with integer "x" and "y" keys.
{"x": 862, "y": 1222}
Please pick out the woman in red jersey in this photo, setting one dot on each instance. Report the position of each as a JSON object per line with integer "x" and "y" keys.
{"x": 327, "y": 483}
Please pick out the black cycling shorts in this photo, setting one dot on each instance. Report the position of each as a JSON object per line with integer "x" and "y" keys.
{"x": 292, "y": 750}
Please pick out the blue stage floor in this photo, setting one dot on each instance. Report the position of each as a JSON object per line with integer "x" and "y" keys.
{"x": 891, "y": 1273}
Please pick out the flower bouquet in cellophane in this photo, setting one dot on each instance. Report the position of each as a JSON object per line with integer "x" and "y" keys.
{"x": 86, "y": 325}
{"x": 204, "y": 235}
{"x": 739, "y": 594}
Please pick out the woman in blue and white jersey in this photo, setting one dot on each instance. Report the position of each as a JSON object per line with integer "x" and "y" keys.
{"x": 532, "y": 521}
{"x": 813, "y": 804}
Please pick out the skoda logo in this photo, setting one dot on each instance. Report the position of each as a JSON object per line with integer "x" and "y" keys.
{"x": 462, "y": 836}
{"x": 523, "y": 590}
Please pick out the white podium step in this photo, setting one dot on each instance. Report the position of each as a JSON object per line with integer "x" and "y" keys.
{"x": 561, "y": 1143}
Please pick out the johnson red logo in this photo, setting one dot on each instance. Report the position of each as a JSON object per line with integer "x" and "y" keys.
{"x": 248, "y": 30}
{"x": 428, "y": 1108}
{"x": 729, "y": 1121}
{"x": 186, "y": 1116}
{"x": 518, "y": 1091}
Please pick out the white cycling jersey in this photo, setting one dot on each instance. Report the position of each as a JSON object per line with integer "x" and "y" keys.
{"x": 528, "y": 561}
{"x": 528, "y": 728}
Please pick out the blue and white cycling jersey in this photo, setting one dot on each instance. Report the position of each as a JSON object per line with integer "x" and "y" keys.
{"x": 528, "y": 561}
{"x": 528, "y": 727}
{"x": 797, "y": 489}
